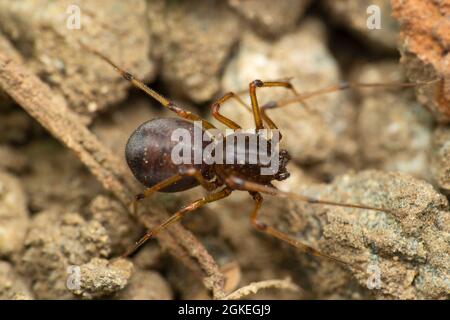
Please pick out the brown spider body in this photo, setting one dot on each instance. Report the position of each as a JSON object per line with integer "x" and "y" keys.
{"x": 149, "y": 148}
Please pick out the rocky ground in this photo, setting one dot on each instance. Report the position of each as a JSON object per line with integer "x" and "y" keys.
{"x": 64, "y": 221}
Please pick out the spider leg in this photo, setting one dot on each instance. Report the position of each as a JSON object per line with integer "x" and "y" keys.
{"x": 260, "y": 226}
{"x": 177, "y": 216}
{"x": 216, "y": 110}
{"x": 209, "y": 186}
{"x": 233, "y": 125}
{"x": 172, "y": 106}
{"x": 259, "y": 113}
{"x": 242, "y": 184}
{"x": 344, "y": 86}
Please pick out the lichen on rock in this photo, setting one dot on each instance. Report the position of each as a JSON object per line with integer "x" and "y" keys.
{"x": 405, "y": 251}
{"x": 56, "y": 242}
{"x": 102, "y": 278}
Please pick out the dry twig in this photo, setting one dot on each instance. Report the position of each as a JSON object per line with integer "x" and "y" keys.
{"x": 254, "y": 287}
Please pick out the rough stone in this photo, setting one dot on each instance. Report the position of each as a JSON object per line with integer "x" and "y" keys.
{"x": 122, "y": 229}
{"x": 12, "y": 286}
{"x": 14, "y": 220}
{"x": 193, "y": 45}
{"x": 271, "y": 18}
{"x": 57, "y": 244}
{"x": 440, "y": 158}
{"x": 39, "y": 29}
{"x": 101, "y": 278}
{"x": 404, "y": 253}
{"x": 355, "y": 15}
{"x": 424, "y": 46}
{"x": 146, "y": 285}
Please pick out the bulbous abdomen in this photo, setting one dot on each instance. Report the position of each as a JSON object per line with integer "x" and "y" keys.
{"x": 149, "y": 153}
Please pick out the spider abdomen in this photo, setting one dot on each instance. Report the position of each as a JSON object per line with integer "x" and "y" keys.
{"x": 148, "y": 153}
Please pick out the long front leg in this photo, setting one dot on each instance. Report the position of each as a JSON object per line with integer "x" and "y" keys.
{"x": 347, "y": 85}
{"x": 172, "y": 106}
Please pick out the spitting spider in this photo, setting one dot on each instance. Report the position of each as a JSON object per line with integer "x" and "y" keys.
{"x": 149, "y": 148}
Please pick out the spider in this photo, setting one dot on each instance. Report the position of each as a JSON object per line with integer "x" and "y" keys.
{"x": 149, "y": 148}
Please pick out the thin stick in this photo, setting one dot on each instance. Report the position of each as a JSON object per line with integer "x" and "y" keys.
{"x": 254, "y": 287}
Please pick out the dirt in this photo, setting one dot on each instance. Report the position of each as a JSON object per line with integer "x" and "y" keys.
{"x": 66, "y": 115}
